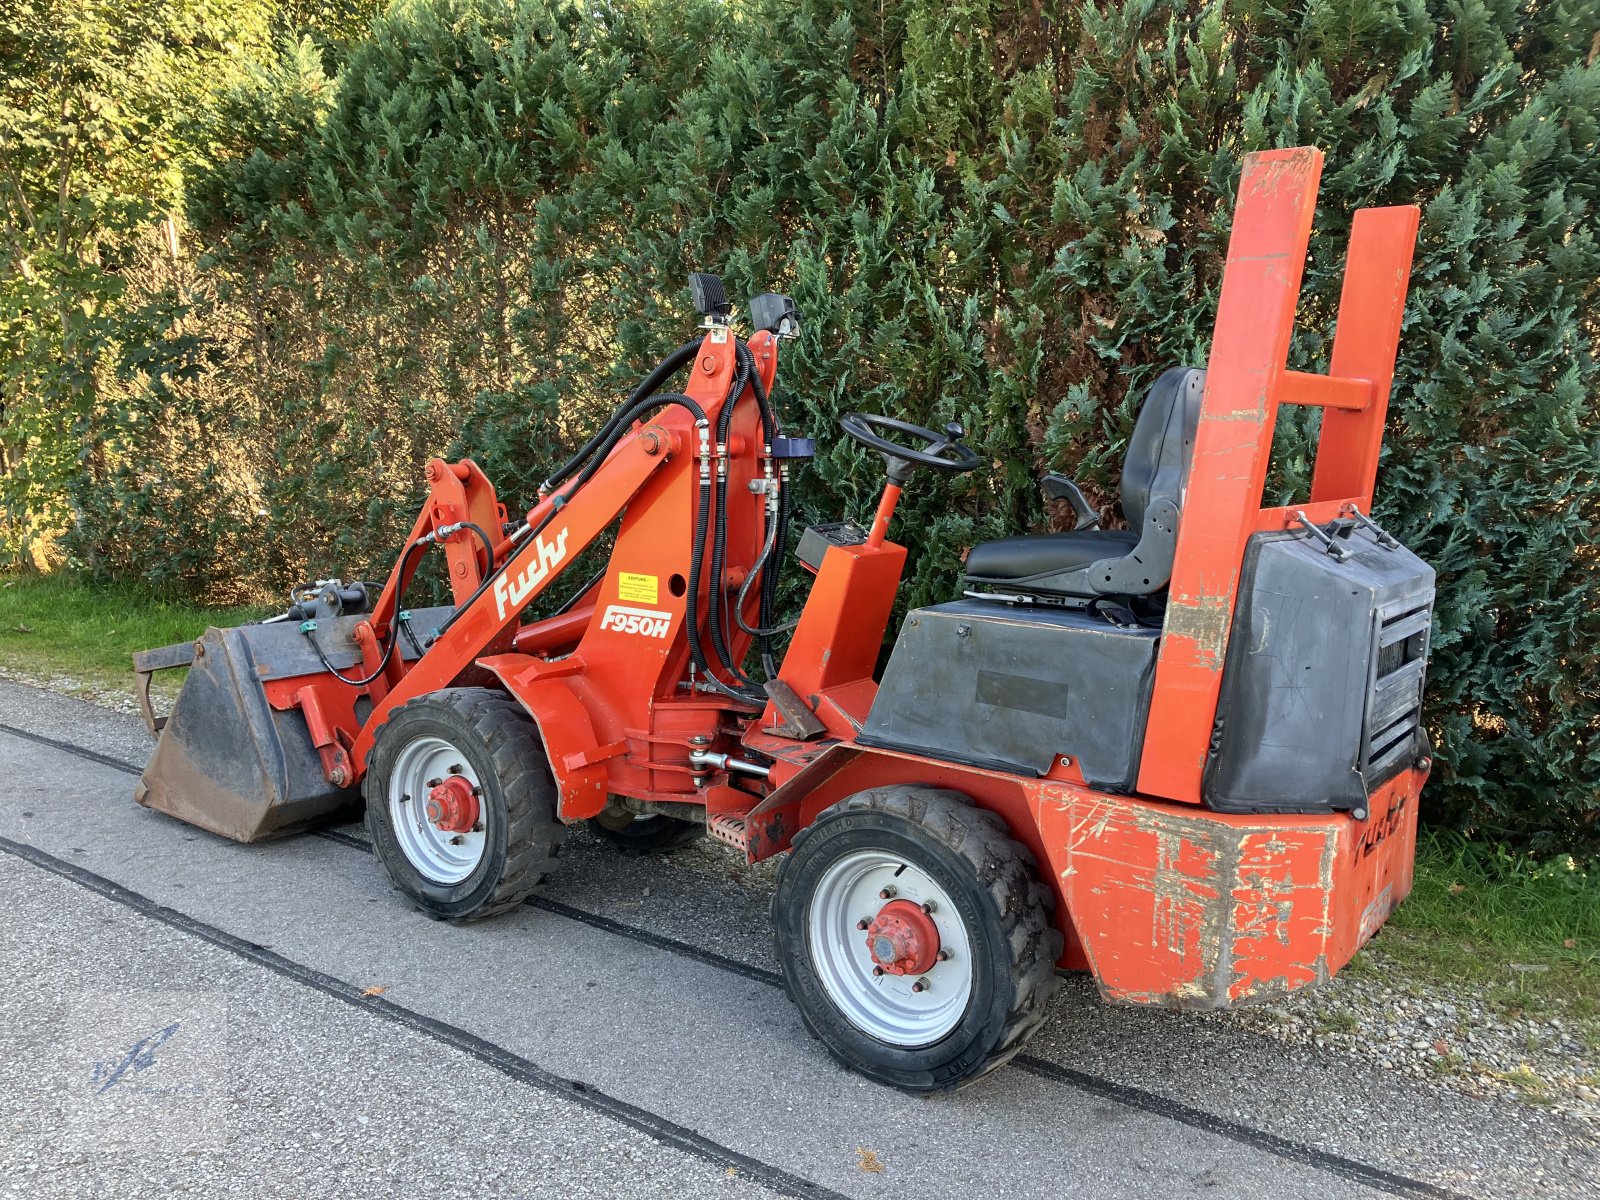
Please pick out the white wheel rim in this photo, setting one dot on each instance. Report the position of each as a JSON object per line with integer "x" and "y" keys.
{"x": 885, "y": 1006}
{"x": 438, "y": 854}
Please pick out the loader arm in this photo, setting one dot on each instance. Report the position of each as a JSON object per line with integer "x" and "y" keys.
{"x": 562, "y": 528}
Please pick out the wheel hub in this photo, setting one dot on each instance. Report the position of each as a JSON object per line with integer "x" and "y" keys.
{"x": 453, "y": 805}
{"x": 902, "y": 939}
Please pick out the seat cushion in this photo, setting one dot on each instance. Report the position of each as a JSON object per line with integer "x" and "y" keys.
{"x": 1022, "y": 558}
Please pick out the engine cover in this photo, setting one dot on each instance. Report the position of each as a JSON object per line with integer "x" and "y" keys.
{"x": 1016, "y": 687}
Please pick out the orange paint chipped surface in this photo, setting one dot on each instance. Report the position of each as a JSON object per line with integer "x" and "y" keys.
{"x": 1189, "y": 909}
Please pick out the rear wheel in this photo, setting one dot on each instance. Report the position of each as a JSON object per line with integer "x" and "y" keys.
{"x": 650, "y": 834}
{"x": 460, "y": 803}
{"x": 914, "y": 937}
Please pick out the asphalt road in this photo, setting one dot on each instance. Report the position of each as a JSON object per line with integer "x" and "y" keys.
{"x": 182, "y": 1015}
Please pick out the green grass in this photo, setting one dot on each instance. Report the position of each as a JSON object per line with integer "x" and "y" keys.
{"x": 1525, "y": 934}
{"x": 1522, "y": 932}
{"x": 83, "y": 636}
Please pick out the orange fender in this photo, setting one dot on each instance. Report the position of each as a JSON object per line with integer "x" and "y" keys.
{"x": 577, "y": 760}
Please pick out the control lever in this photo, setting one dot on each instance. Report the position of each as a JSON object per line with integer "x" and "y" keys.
{"x": 1059, "y": 487}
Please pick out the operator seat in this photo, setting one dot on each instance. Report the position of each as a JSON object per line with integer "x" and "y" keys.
{"x": 1090, "y": 563}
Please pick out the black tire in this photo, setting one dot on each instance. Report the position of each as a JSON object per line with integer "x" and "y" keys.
{"x": 517, "y": 798}
{"x": 1004, "y": 909}
{"x": 654, "y": 833}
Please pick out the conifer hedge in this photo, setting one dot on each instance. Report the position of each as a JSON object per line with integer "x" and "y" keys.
{"x": 471, "y": 236}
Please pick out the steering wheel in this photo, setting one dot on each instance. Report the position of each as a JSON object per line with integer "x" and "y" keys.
{"x": 942, "y": 451}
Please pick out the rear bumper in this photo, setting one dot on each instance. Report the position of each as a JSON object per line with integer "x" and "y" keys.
{"x": 1185, "y": 908}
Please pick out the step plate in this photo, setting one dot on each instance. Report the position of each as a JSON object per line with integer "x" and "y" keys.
{"x": 729, "y": 829}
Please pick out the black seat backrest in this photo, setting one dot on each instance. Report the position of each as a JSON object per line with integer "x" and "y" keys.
{"x": 1156, "y": 463}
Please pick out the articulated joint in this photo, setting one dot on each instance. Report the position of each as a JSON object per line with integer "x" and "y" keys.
{"x": 704, "y": 760}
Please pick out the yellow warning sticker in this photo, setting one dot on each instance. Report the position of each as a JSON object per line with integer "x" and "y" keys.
{"x": 632, "y": 586}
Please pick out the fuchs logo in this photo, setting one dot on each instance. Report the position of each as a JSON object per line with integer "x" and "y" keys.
{"x": 510, "y": 596}
{"x": 646, "y": 622}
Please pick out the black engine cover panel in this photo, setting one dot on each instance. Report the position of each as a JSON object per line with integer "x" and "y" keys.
{"x": 1015, "y": 687}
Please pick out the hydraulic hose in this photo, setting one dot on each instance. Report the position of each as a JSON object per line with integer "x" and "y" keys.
{"x": 494, "y": 572}
{"x": 769, "y": 565}
{"x": 744, "y": 591}
{"x": 664, "y": 370}
{"x": 747, "y": 375}
{"x": 626, "y": 417}
{"x": 716, "y": 617}
{"x": 401, "y": 578}
{"x": 383, "y": 663}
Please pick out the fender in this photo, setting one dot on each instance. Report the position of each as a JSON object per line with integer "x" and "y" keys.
{"x": 577, "y": 759}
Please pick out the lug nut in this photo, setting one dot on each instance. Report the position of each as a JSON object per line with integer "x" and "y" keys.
{"x": 863, "y": 923}
{"x": 944, "y": 956}
{"x": 877, "y": 970}
{"x": 433, "y": 783}
{"x": 928, "y": 907}
{"x": 456, "y": 840}
{"x": 887, "y": 893}
{"x": 457, "y": 769}
{"x": 920, "y": 985}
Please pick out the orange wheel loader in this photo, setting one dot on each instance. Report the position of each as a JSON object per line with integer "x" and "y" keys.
{"x": 1184, "y": 756}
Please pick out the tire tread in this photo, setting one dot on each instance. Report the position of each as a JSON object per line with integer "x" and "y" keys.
{"x": 516, "y": 754}
{"x": 1004, "y": 867}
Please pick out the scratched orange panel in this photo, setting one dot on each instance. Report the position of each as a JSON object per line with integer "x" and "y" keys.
{"x": 1145, "y": 897}
{"x": 1373, "y": 870}
{"x": 1282, "y": 902}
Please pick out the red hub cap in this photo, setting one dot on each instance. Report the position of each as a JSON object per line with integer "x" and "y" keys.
{"x": 453, "y": 805}
{"x": 903, "y": 939}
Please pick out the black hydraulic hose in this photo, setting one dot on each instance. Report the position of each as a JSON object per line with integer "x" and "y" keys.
{"x": 620, "y": 429}
{"x": 664, "y": 370}
{"x": 489, "y": 574}
{"x": 748, "y": 375}
{"x": 769, "y": 420}
{"x": 691, "y": 612}
{"x": 571, "y": 602}
{"x": 488, "y": 546}
{"x": 411, "y": 636}
{"x": 308, "y": 627}
{"x": 494, "y": 573}
{"x": 691, "y": 605}
{"x": 772, "y": 565}
{"x": 383, "y": 663}
{"x": 759, "y": 631}
{"x": 716, "y": 617}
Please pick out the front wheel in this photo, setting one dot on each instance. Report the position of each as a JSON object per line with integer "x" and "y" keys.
{"x": 914, "y": 937}
{"x": 460, "y": 803}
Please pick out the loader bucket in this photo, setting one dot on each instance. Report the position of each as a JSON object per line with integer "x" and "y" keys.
{"x": 226, "y": 759}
